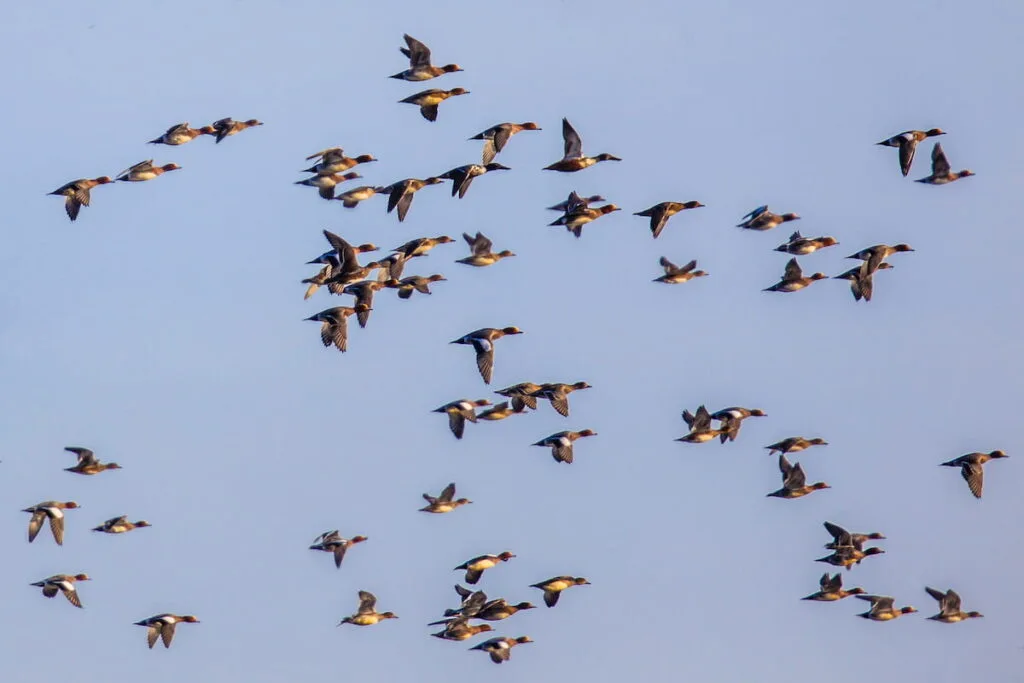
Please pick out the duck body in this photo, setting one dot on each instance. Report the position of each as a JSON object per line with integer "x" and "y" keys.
{"x": 496, "y": 137}
{"x": 120, "y": 525}
{"x": 227, "y": 127}
{"x": 675, "y": 275}
{"x": 561, "y": 444}
{"x": 971, "y": 468}
{"x": 762, "y": 219}
{"x": 181, "y": 133}
{"x": 660, "y": 213}
{"x": 500, "y": 649}
{"x": 77, "y": 193}
{"x": 793, "y": 279}
{"x": 145, "y": 170}
{"x": 482, "y": 341}
{"x": 332, "y": 542}
{"x": 428, "y": 100}
{"x": 367, "y": 614}
{"x": 162, "y": 626}
{"x": 476, "y": 567}
{"x": 573, "y": 159}
{"x": 62, "y": 583}
{"x": 52, "y": 510}
{"x": 907, "y": 142}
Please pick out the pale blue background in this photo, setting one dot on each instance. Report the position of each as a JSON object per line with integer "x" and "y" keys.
{"x": 164, "y": 330}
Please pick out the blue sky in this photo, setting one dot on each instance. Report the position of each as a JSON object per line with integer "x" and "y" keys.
{"x": 164, "y": 330}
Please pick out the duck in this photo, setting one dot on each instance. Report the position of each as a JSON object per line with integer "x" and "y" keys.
{"x": 660, "y": 213}
{"x": 52, "y": 510}
{"x": 521, "y": 395}
{"x": 162, "y": 626}
{"x": 942, "y": 173}
{"x": 366, "y": 614}
{"x": 500, "y": 649}
{"x": 332, "y": 542}
{"x": 482, "y": 256}
{"x": 575, "y": 220}
{"x": 731, "y": 418}
{"x": 558, "y": 394}
{"x": 575, "y": 202}
{"x": 363, "y": 292}
{"x": 353, "y": 197}
{"x": 459, "y": 628}
{"x": 675, "y": 275}
{"x": 795, "y": 444}
{"x": 63, "y": 583}
{"x": 325, "y": 184}
{"x": 77, "y": 193}
{"x": 861, "y": 282}
{"x": 180, "y": 133}
{"x": 400, "y": 194}
{"x": 496, "y": 137}
{"x": 475, "y": 567}
{"x": 341, "y": 252}
{"x": 849, "y": 555}
{"x": 462, "y": 176}
{"x": 874, "y": 255}
{"x": 482, "y": 341}
{"x": 794, "y": 481}
{"x": 145, "y": 170}
{"x": 428, "y": 100}
{"x": 334, "y": 329}
{"x": 971, "y": 470}
{"x": 842, "y": 538}
{"x": 333, "y": 160}
{"x": 799, "y": 245}
{"x": 763, "y": 219}
{"x": 498, "y": 412}
{"x": 415, "y": 283}
{"x": 831, "y": 589}
{"x": 907, "y": 143}
{"x": 561, "y": 443}
{"x": 700, "y": 426}
{"x": 882, "y": 608}
{"x": 227, "y": 127}
{"x": 87, "y": 462}
{"x": 497, "y": 610}
{"x": 553, "y": 587}
{"x": 793, "y": 279}
{"x": 573, "y": 160}
{"x": 420, "y": 68}
{"x": 460, "y": 411}
{"x": 120, "y": 525}
{"x": 949, "y": 607}
{"x": 444, "y": 501}
{"x": 421, "y": 246}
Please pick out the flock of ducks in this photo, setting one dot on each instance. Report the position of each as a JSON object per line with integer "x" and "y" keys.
{"x": 341, "y": 273}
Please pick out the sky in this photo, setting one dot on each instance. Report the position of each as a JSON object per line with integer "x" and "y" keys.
{"x": 164, "y": 329}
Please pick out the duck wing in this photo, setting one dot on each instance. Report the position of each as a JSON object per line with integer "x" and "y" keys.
{"x": 573, "y": 143}
{"x": 907, "y": 145}
{"x": 940, "y": 164}
{"x": 367, "y": 602}
{"x": 447, "y": 494}
{"x": 417, "y": 52}
{"x": 457, "y": 423}
{"x": 484, "y": 358}
{"x": 973, "y": 475}
{"x": 793, "y": 271}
